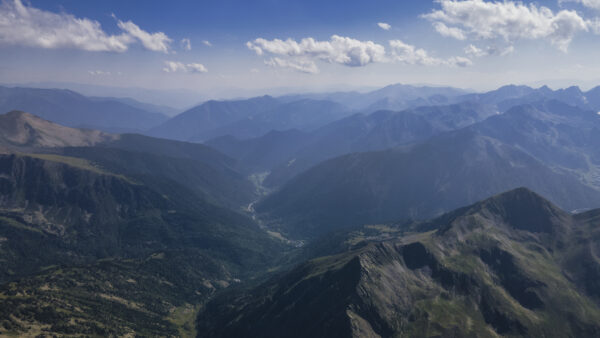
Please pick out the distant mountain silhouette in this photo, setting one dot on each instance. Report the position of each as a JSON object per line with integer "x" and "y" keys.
{"x": 248, "y": 118}
{"x": 71, "y": 109}
{"x": 450, "y": 170}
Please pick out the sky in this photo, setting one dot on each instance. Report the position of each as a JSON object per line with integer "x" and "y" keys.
{"x": 232, "y": 48}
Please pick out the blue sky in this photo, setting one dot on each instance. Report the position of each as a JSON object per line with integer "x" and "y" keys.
{"x": 222, "y": 48}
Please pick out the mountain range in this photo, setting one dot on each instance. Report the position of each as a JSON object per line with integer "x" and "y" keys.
{"x": 248, "y": 118}
{"x": 109, "y": 234}
{"x": 71, "y": 109}
{"x": 511, "y": 265}
{"x": 550, "y": 147}
{"x": 336, "y": 214}
{"x": 392, "y": 97}
{"x": 442, "y": 174}
{"x": 291, "y": 152}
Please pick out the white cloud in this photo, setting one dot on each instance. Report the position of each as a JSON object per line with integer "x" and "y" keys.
{"x": 302, "y": 56}
{"x": 28, "y": 26}
{"x": 384, "y": 26}
{"x": 409, "y": 54}
{"x": 207, "y": 43}
{"x": 186, "y": 44}
{"x": 304, "y": 66}
{"x": 158, "y": 42}
{"x": 458, "y": 61}
{"x": 594, "y": 4}
{"x": 452, "y": 32}
{"x": 175, "y": 66}
{"x": 254, "y": 70}
{"x": 476, "y": 52}
{"x": 509, "y": 20}
{"x": 406, "y": 53}
{"x": 340, "y": 50}
{"x": 98, "y": 73}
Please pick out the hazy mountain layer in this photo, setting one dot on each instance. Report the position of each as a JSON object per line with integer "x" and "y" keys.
{"x": 453, "y": 169}
{"x": 392, "y": 97}
{"x": 248, "y": 118}
{"x": 291, "y": 152}
{"x": 71, "y": 109}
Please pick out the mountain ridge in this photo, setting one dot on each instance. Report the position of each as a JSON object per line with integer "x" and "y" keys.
{"x": 479, "y": 275}
{"x": 72, "y": 109}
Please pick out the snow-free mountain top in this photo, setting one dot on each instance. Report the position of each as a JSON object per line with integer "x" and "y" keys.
{"x": 18, "y": 128}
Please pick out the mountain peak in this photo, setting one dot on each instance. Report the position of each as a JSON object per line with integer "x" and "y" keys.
{"x": 545, "y": 89}
{"x": 520, "y": 209}
{"x": 573, "y": 89}
{"x": 16, "y": 113}
{"x": 21, "y": 129}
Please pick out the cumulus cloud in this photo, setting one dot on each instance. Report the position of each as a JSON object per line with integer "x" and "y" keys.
{"x": 384, "y": 26}
{"x": 186, "y": 44}
{"x": 594, "y": 4}
{"x": 458, "y": 61}
{"x": 158, "y": 42}
{"x": 476, "y": 52}
{"x": 207, "y": 43}
{"x": 302, "y": 55}
{"x": 304, "y": 66}
{"x": 409, "y": 54}
{"x": 175, "y": 66}
{"x": 508, "y": 20}
{"x": 406, "y": 53}
{"x": 340, "y": 50}
{"x": 28, "y": 26}
{"x": 452, "y": 32}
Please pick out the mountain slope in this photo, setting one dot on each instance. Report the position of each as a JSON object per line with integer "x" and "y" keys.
{"x": 560, "y": 135}
{"x": 212, "y": 181}
{"x": 152, "y": 108}
{"x": 289, "y": 153}
{"x": 248, "y": 118}
{"x": 262, "y": 153}
{"x": 502, "y": 267}
{"x": 211, "y": 115}
{"x": 80, "y": 242}
{"x": 450, "y": 170}
{"x": 19, "y": 129}
{"x": 71, "y": 109}
{"x": 145, "y": 159}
